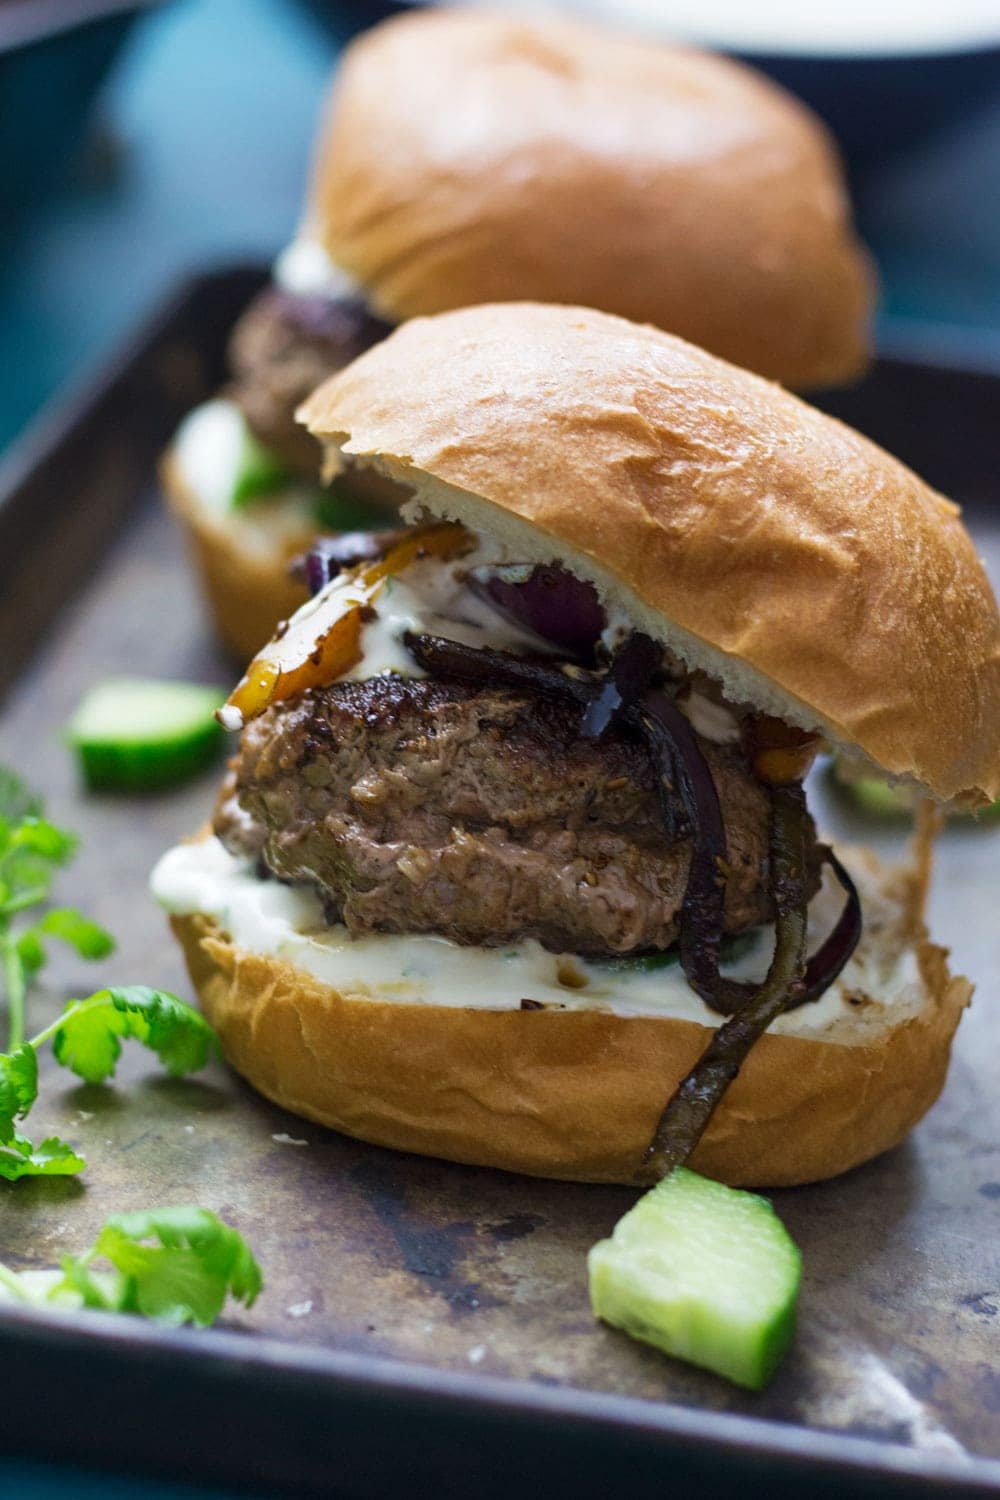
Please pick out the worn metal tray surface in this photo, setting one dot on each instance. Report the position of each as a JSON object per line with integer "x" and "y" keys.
{"x": 424, "y": 1321}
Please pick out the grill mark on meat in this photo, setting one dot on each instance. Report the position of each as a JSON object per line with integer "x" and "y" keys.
{"x": 433, "y": 806}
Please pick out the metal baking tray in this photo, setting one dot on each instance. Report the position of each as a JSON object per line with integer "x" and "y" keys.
{"x": 426, "y": 1325}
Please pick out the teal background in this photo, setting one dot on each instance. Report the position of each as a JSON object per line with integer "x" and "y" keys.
{"x": 200, "y": 154}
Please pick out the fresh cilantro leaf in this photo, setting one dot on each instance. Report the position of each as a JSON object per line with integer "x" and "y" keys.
{"x": 37, "y": 836}
{"x": 88, "y": 1036}
{"x": 89, "y": 938}
{"x": 53, "y": 1158}
{"x": 184, "y": 1276}
{"x": 18, "y": 1087}
{"x": 30, "y": 951}
{"x": 31, "y": 849}
{"x": 91, "y": 1287}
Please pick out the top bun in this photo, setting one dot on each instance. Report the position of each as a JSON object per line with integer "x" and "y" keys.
{"x": 473, "y": 157}
{"x": 798, "y": 564}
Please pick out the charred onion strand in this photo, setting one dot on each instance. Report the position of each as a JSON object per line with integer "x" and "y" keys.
{"x": 675, "y": 745}
{"x": 480, "y": 664}
{"x": 704, "y": 895}
{"x": 632, "y": 670}
{"x": 684, "y": 1120}
{"x": 830, "y": 958}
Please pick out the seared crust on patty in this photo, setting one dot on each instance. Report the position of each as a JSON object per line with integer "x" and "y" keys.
{"x": 428, "y": 806}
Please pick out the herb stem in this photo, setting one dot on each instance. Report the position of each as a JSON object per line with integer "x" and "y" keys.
{"x": 79, "y": 1007}
{"x": 27, "y": 898}
{"x": 13, "y": 974}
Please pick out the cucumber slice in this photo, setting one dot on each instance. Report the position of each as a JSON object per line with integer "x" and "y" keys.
{"x": 133, "y": 734}
{"x": 703, "y": 1272}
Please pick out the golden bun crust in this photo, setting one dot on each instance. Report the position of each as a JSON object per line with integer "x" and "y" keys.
{"x": 245, "y": 584}
{"x": 471, "y": 157}
{"x": 571, "y": 1094}
{"x": 808, "y": 571}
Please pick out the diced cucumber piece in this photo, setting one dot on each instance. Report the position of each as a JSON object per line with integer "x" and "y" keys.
{"x": 705, "y": 1273}
{"x": 133, "y": 734}
{"x": 338, "y": 510}
{"x": 258, "y": 471}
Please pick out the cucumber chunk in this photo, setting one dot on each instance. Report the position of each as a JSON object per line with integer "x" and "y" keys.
{"x": 705, "y": 1273}
{"x": 133, "y": 734}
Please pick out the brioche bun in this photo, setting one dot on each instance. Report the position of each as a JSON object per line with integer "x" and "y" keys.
{"x": 242, "y": 561}
{"x": 799, "y": 565}
{"x": 471, "y": 157}
{"x": 577, "y": 1093}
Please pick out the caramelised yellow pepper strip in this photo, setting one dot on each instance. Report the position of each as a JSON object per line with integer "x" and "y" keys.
{"x": 322, "y": 640}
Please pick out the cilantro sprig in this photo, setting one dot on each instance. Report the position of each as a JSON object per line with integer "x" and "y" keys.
{"x": 177, "y": 1265}
{"x": 87, "y": 1038}
{"x": 32, "y": 850}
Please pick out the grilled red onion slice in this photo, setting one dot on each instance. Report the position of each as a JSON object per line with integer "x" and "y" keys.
{"x": 481, "y": 664}
{"x": 704, "y": 897}
{"x": 329, "y": 556}
{"x": 553, "y": 603}
{"x": 692, "y": 1105}
{"x": 633, "y": 668}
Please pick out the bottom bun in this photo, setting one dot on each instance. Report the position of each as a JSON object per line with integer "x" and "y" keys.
{"x": 242, "y": 560}
{"x": 577, "y": 1093}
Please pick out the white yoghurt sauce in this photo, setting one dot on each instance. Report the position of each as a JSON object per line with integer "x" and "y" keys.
{"x": 305, "y": 269}
{"x": 265, "y": 916}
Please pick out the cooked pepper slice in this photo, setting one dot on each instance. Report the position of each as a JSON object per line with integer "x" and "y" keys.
{"x": 322, "y": 640}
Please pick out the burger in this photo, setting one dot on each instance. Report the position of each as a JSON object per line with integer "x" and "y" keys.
{"x": 514, "y": 864}
{"x": 468, "y": 158}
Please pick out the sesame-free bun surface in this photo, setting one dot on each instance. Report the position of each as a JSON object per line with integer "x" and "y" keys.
{"x": 242, "y": 561}
{"x": 577, "y": 1093}
{"x": 806, "y": 570}
{"x": 472, "y": 157}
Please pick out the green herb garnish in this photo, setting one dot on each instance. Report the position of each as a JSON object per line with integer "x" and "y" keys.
{"x": 31, "y": 851}
{"x": 87, "y": 1038}
{"x": 176, "y": 1265}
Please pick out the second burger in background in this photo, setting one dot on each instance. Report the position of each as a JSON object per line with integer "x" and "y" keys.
{"x": 470, "y": 157}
